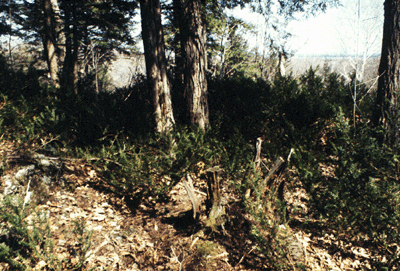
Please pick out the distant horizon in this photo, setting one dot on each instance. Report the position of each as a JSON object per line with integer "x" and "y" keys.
{"x": 337, "y": 31}
{"x": 333, "y": 55}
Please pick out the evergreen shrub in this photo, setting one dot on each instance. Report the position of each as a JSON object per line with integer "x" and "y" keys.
{"x": 360, "y": 199}
{"x": 25, "y": 239}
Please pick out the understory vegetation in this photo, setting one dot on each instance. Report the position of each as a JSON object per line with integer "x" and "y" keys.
{"x": 113, "y": 131}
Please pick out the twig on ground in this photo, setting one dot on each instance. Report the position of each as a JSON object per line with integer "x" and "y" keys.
{"x": 244, "y": 255}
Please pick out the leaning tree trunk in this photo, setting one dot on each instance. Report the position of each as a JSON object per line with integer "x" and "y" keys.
{"x": 387, "y": 111}
{"x": 156, "y": 70}
{"x": 49, "y": 42}
{"x": 193, "y": 43}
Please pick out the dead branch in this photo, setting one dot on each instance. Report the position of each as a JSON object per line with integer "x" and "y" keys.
{"x": 277, "y": 166}
{"x": 192, "y": 196}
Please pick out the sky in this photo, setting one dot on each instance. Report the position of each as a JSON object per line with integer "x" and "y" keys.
{"x": 343, "y": 31}
{"x": 340, "y": 31}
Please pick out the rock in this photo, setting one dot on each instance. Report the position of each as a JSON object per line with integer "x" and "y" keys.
{"x": 23, "y": 173}
{"x": 31, "y": 182}
{"x": 10, "y": 185}
{"x": 46, "y": 180}
{"x": 296, "y": 250}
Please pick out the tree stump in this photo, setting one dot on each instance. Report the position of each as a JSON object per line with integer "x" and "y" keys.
{"x": 257, "y": 162}
{"x": 214, "y": 198}
{"x": 276, "y": 170}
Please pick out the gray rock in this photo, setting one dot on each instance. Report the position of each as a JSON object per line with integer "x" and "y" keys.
{"x": 10, "y": 185}
{"x": 23, "y": 173}
{"x": 46, "y": 180}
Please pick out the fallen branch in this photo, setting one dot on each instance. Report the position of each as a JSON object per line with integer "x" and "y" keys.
{"x": 277, "y": 166}
{"x": 244, "y": 255}
{"x": 35, "y": 157}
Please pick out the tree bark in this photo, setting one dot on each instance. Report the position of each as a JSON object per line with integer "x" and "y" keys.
{"x": 154, "y": 51}
{"x": 50, "y": 43}
{"x": 70, "y": 65}
{"x": 193, "y": 43}
{"x": 214, "y": 198}
{"x": 387, "y": 110}
{"x": 60, "y": 35}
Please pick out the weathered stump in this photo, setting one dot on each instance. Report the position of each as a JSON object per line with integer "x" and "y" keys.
{"x": 214, "y": 199}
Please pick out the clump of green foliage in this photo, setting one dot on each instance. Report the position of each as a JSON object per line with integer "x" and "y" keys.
{"x": 155, "y": 166}
{"x": 26, "y": 239}
{"x": 203, "y": 256}
{"x": 269, "y": 224}
{"x": 361, "y": 198}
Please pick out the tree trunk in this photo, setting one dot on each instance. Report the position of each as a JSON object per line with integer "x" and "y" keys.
{"x": 387, "y": 110}
{"x": 193, "y": 43}
{"x": 49, "y": 42}
{"x": 281, "y": 64}
{"x": 60, "y": 35}
{"x": 154, "y": 51}
{"x": 70, "y": 65}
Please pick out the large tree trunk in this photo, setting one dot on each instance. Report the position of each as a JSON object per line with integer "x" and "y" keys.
{"x": 193, "y": 44}
{"x": 154, "y": 51}
{"x": 387, "y": 110}
{"x": 60, "y": 35}
{"x": 49, "y": 42}
{"x": 70, "y": 65}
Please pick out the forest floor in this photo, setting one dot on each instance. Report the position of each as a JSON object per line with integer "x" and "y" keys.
{"x": 133, "y": 233}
